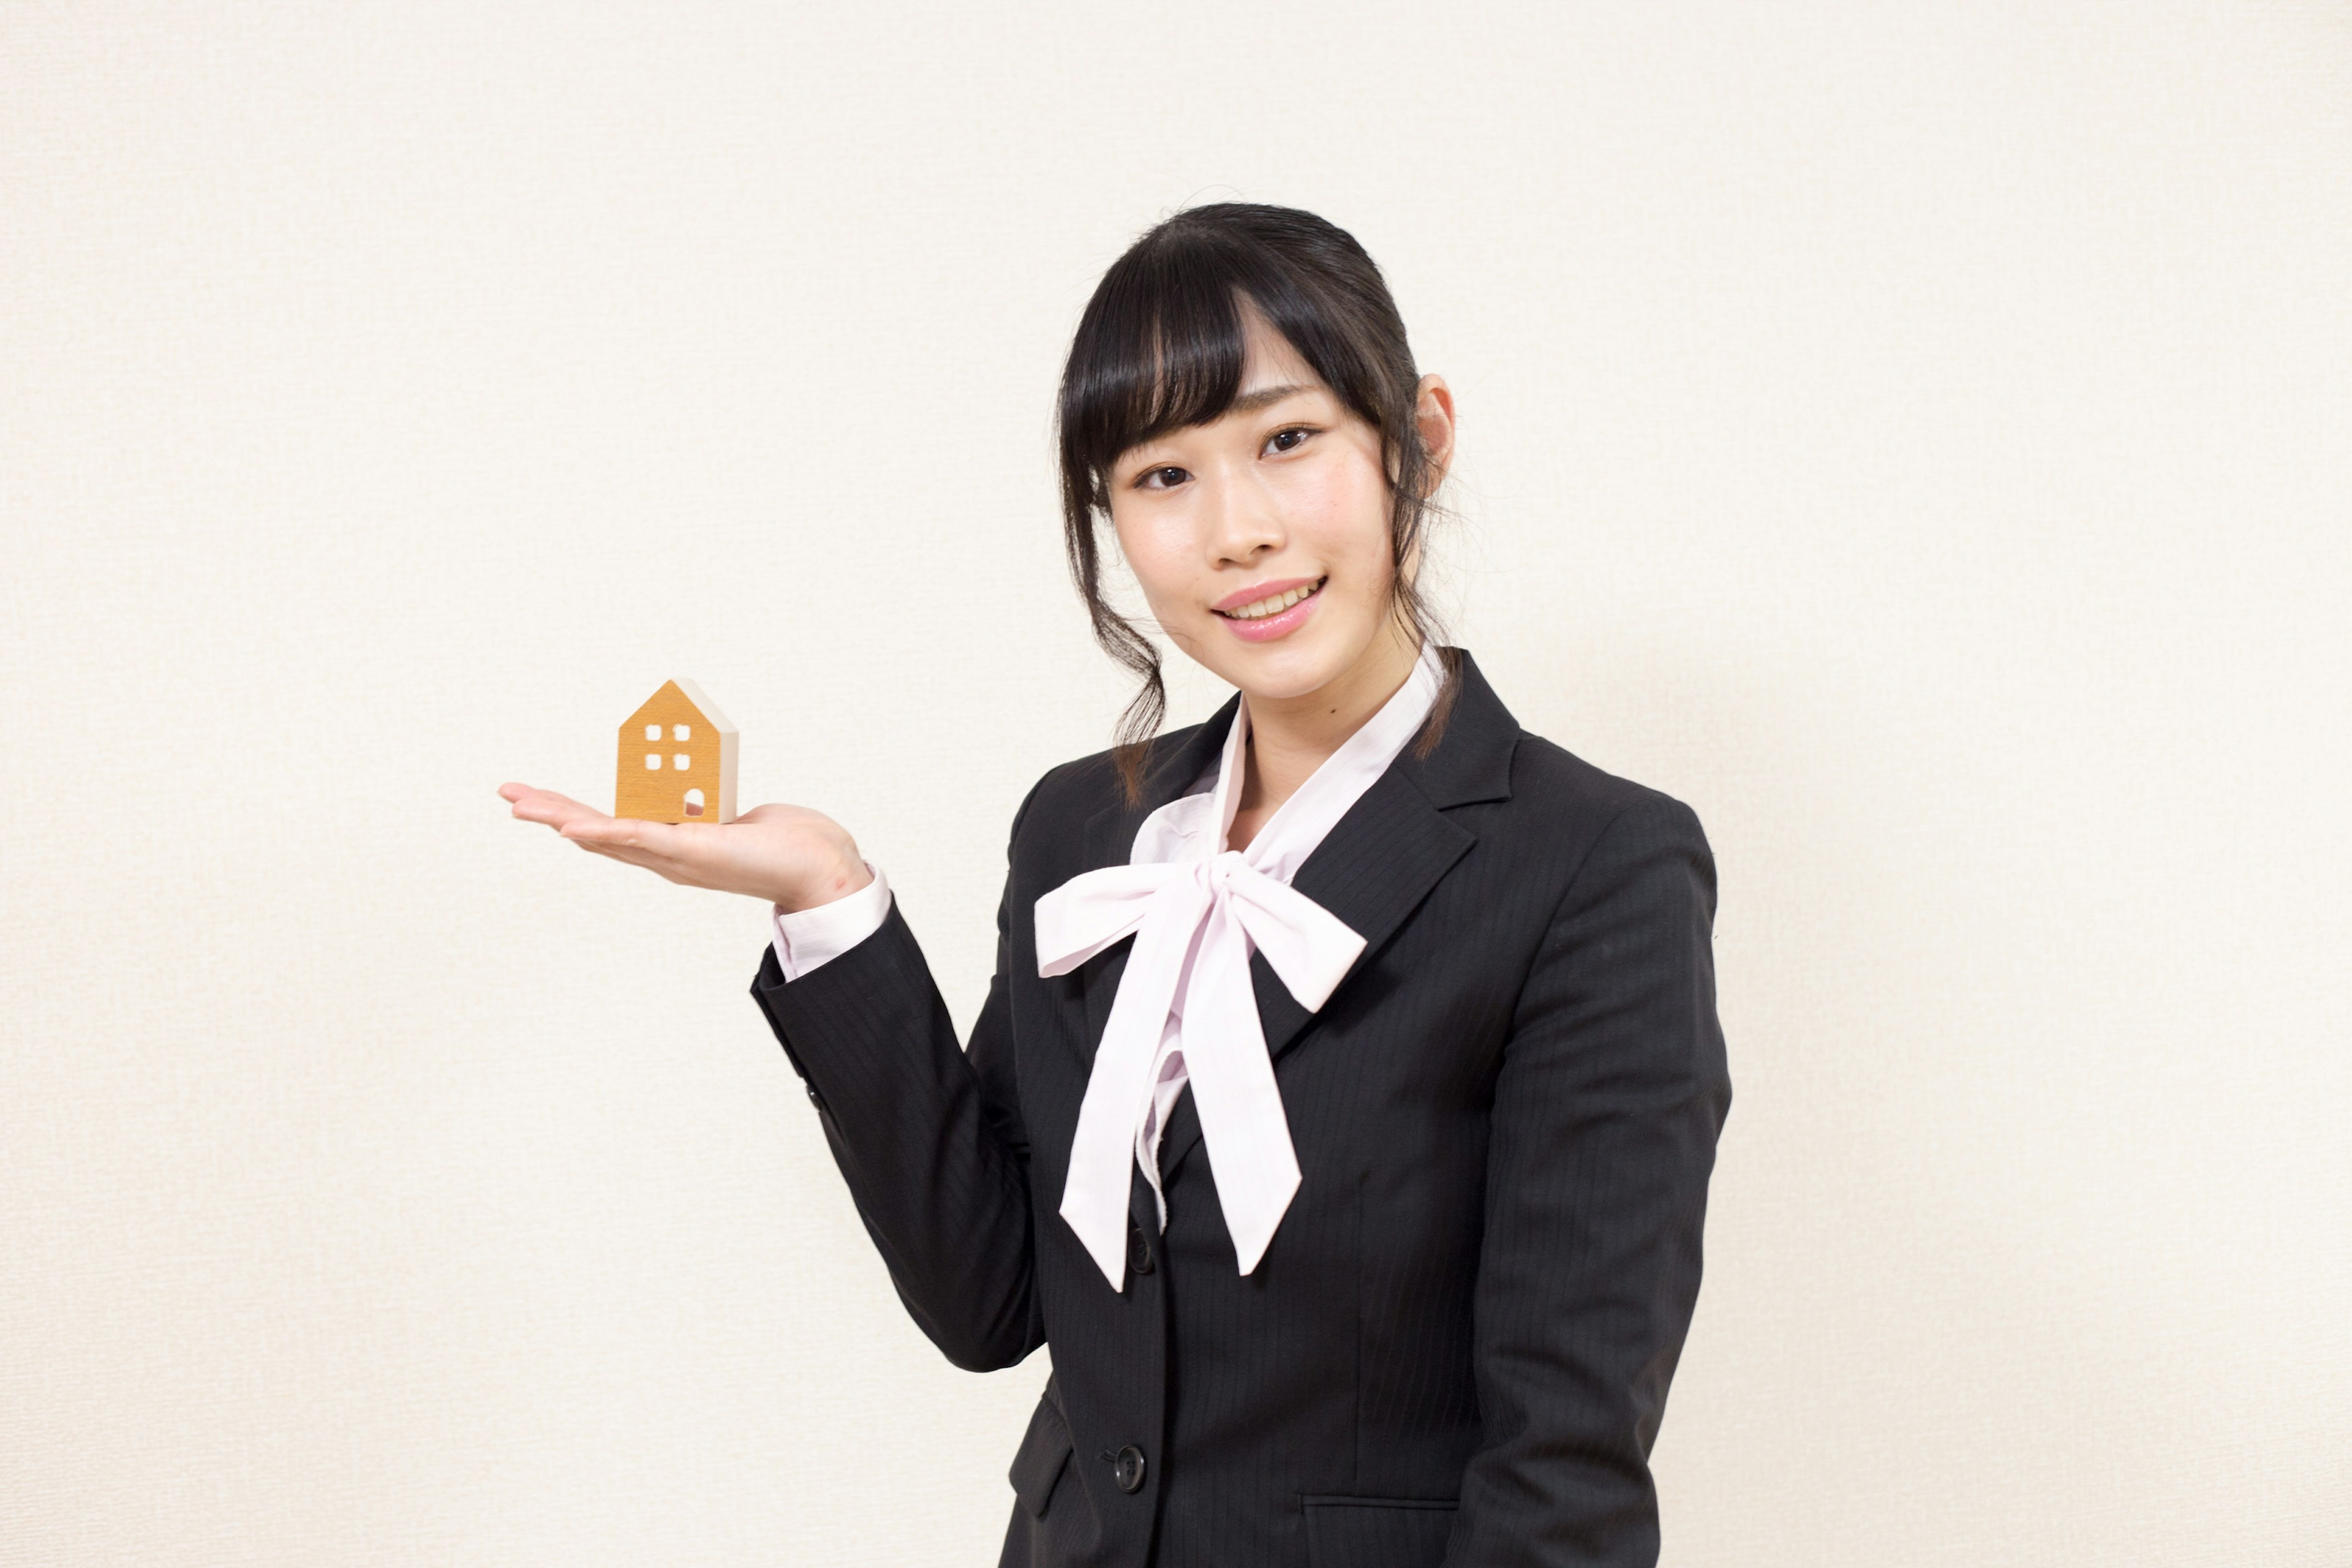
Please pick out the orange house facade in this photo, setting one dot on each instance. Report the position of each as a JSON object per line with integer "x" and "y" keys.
{"x": 677, "y": 759}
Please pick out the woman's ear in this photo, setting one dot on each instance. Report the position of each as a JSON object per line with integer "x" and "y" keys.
{"x": 1433, "y": 414}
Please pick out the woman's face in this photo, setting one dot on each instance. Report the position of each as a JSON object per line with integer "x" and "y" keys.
{"x": 1261, "y": 538}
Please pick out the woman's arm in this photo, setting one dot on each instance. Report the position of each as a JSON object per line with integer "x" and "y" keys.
{"x": 931, "y": 1142}
{"x": 930, "y": 1139}
{"x": 1611, "y": 1092}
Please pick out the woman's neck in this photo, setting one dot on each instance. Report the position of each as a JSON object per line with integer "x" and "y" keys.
{"x": 1290, "y": 737}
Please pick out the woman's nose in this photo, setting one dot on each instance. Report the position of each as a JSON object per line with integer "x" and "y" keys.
{"x": 1243, "y": 522}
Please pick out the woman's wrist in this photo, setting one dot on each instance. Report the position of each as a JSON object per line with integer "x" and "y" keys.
{"x": 846, "y": 876}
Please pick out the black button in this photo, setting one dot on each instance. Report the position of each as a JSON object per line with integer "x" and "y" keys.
{"x": 1128, "y": 1468}
{"x": 1139, "y": 1248}
{"x": 814, "y": 1098}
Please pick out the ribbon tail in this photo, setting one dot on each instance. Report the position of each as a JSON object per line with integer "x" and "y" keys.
{"x": 1243, "y": 1124}
{"x": 1095, "y": 1193}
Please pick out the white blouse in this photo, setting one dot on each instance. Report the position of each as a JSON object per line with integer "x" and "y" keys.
{"x": 1197, "y": 911}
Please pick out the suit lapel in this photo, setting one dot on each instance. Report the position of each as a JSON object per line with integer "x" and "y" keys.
{"x": 1371, "y": 871}
{"x": 1381, "y": 860}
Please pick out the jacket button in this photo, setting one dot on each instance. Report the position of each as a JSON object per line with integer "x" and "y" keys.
{"x": 1128, "y": 1468}
{"x": 814, "y": 1098}
{"x": 1139, "y": 1249}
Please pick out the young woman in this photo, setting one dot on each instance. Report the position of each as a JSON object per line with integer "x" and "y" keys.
{"x": 1342, "y": 1109}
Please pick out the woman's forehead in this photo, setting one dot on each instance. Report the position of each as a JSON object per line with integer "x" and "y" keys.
{"x": 1268, "y": 358}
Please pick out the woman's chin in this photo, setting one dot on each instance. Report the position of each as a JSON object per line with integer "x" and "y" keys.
{"x": 1286, "y": 668}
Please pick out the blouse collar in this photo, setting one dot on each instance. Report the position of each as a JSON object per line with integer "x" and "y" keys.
{"x": 1195, "y": 825}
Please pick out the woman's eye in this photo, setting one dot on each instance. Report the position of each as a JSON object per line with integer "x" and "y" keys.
{"x": 1285, "y": 440}
{"x": 1161, "y": 479}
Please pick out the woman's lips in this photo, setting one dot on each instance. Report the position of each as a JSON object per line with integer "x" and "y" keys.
{"x": 1281, "y": 623}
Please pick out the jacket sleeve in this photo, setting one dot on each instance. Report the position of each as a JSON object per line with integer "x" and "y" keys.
{"x": 930, "y": 1139}
{"x": 1611, "y": 1092}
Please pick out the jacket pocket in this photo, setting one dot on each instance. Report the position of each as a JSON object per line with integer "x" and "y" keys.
{"x": 1376, "y": 1531}
{"x": 1045, "y": 1454}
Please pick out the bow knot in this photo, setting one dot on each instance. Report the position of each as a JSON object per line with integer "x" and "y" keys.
{"x": 1196, "y": 912}
{"x": 1232, "y": 909}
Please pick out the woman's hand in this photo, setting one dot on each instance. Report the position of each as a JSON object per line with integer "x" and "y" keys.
{"x": 791, "y": 856}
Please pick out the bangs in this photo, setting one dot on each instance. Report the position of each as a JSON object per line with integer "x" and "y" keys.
{"x": 1161, "y": 347}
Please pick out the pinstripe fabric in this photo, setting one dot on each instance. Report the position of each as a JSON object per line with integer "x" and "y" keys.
{"x": 1458, "y": 1347}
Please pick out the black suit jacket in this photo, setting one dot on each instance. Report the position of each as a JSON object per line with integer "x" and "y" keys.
{"x": 1457, "y": 1348}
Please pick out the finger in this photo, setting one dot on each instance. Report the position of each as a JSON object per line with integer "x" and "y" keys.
{"x": 547, "y": 800}
{"x": 668, "y": 871}
{"x": 682, "y": 844}
{"x": 613, "y": 852}
{"x": 554, "y": 810}
{"x": 657, "y": 838}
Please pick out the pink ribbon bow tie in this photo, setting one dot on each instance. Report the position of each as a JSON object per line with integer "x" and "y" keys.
{"x": 1214, "y": 910}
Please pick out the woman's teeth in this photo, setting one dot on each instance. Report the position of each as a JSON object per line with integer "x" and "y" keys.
{"x": 1275, "y": 604}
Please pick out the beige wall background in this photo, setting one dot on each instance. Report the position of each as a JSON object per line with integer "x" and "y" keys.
{"x": 1918, "y": 437}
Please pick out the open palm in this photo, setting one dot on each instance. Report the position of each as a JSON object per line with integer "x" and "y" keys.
{"x": 787, "y": 855}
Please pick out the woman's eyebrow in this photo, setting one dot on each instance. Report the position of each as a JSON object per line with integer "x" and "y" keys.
{"x": 1264, "y": 396}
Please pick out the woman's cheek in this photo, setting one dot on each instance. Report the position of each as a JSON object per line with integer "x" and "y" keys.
{"x": 1156, "y": 566}
{"x": 1351, "y": 531}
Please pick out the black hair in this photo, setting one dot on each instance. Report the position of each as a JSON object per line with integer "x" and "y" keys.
{"x": 1160, "y": 347}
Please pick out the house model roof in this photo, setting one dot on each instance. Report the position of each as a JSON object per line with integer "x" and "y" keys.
{"x": 719, "y": 722}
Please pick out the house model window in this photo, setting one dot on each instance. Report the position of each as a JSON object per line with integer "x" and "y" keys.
{"x": 677, "y": 787}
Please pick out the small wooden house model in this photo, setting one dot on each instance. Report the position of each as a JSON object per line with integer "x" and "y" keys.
{"x": 677, "y": 759}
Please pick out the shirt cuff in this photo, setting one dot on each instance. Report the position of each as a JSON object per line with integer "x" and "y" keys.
{"x": 808, "y": 939}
